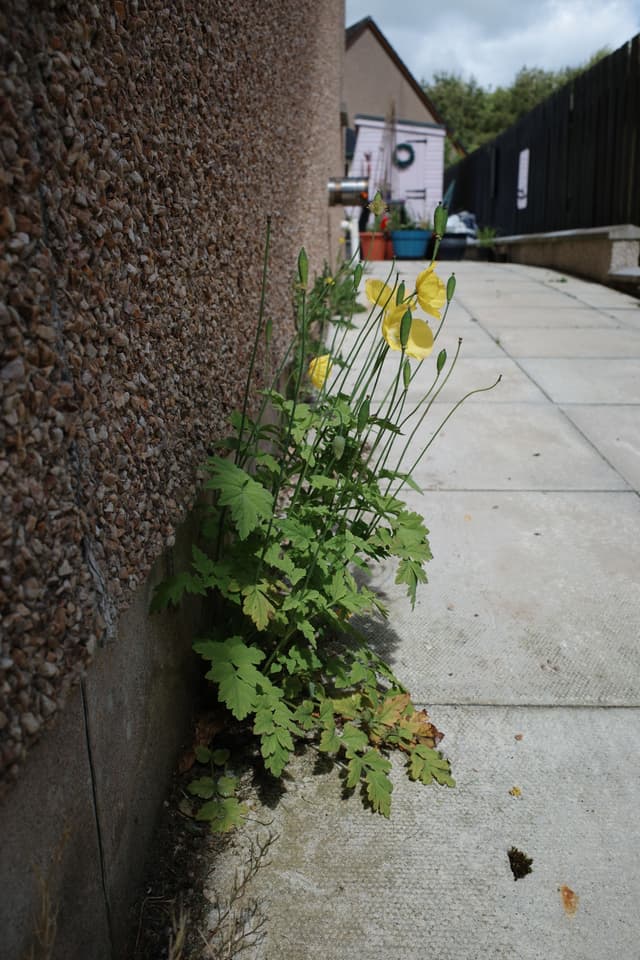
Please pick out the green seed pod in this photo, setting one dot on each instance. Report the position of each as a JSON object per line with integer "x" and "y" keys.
{"x": 406, "y": 374}
{"x": 338, "y": 446}
{"x": 400, "y": 295}
{"x": 363, "y": 414}
{"x": 442, "y": 359}
{"x": 303, "y": 267}
{"x": 451, "y": 287}
{"x": 440, "y": 217}
{"x": 405, "y": 329}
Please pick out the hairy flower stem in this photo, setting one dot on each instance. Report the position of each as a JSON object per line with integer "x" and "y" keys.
{"x": 283, "y": 464}
{"x": 374, "y": 365}
{"x": 239, "y": 459}
{"x": 363, "y": 336}
{"x": 442, "y": 320}
{"x": 380, "y": 465}
{"x": 426, "y": 410}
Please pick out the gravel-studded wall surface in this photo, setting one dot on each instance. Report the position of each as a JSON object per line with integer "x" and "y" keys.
{"x": 142, "y": 144}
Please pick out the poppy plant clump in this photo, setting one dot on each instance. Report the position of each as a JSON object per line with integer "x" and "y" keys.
{"x": 308, "y": 495}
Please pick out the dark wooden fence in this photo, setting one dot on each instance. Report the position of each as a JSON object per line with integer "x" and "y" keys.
{"x": 584, "y": 161}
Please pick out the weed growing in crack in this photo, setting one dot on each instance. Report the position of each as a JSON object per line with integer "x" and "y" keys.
{"x": 298, "y": 505}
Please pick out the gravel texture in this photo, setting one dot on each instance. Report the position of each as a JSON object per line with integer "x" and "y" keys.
{"x": 142, "y": 146}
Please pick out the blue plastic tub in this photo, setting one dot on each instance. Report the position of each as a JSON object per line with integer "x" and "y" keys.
{"x": 410, "y": 244}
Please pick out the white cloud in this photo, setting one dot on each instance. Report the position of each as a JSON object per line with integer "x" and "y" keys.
{"x": 492, "y": 40}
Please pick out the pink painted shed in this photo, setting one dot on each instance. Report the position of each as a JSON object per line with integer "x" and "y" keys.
{"x": 395, "y": 134}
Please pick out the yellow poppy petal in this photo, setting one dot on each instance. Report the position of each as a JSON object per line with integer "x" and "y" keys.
{"x": 391, "y": 328}
{"x": 397, "y": 312}
{"x": 319, "y": 370}
{"x": 431, "y": 292}
{"x": 378, "y": 292}
{"x": 425, "y": 274}
{"x": 420, "y": 343}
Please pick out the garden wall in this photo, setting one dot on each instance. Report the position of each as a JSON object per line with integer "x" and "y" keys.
{"x": 143, "y": 145}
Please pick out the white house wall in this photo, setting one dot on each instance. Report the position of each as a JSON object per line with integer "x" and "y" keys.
{"x": 421, "y": 184}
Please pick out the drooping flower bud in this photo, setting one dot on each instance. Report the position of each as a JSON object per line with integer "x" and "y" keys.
{"x": 303, "y": 267}
{"x": 440, "y": 217}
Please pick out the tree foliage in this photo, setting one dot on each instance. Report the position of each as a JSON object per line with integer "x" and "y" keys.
{"x": 475, "y": 114}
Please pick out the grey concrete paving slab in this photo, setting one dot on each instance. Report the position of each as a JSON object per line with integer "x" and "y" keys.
{"x": 586, "y": 380}
{"x": 476, "y": 342}
{"x": 528, "y": 627}
{"x": 570, "y": 343}
{"x": 625, "y": 317}
{"x": 587, "y": 293}
{"x": 518, "y": 295}
{"x": 497, "y": 318}
{"x": 615, "y": 431}
{"x": 599, "y": 296}
{"x": 532, "y": 598}
{"x": 456, "y": 314}
{"x": 470, "y": 373}
{"x": 511, "y": 446}
{"x": 434, "y": 882}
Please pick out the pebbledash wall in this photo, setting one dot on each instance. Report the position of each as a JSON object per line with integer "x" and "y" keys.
{"x": 143, "y": 144}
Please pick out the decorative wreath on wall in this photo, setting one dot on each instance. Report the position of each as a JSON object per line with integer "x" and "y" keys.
{"x": 403, "y": 156}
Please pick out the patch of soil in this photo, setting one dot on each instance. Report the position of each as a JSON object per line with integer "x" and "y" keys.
{"x": 170, "y": 917}
{"x": 175, "y": 877}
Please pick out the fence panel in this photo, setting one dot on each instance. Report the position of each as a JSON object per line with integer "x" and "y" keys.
{"x": 584, "y": 150}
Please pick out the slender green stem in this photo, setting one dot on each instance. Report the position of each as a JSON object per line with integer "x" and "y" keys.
{"x": 435, "y": 434}
{"x": 275, "y": 490}
{"x": 263, "y": 288}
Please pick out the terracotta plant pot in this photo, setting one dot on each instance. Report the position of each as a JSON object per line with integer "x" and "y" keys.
{"x": 372, "y": 246}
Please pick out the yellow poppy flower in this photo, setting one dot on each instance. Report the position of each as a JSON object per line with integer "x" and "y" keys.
{"x": 420, "y": 342}
{"x": 379, "y": 293}
{"x": 431, "y": 292}
{"x": 319, "y": 370}
{"x": 391, "y": 325}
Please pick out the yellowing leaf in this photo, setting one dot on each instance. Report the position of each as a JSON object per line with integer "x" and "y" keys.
{"x": 419, "y": 726}
{"x": 257, "y": 605}
{"x": 391, "y": 709}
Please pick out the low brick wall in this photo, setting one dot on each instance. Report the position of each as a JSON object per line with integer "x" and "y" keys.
{"x": 609, "y": 255}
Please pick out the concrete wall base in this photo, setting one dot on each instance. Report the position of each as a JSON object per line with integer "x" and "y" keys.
{"x": 609, "y": 255}
{"x": 77, "y": 825}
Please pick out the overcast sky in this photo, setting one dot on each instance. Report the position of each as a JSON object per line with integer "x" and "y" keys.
{"x": 492, "y": 39}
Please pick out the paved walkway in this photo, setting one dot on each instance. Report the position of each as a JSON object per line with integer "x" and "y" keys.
{"x": 524, "y": 648}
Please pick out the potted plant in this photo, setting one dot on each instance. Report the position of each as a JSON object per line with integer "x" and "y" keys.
{"x": 373, "y": 242}
{"x": 486, "y": 240}
{"x": 409, "y": 239}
